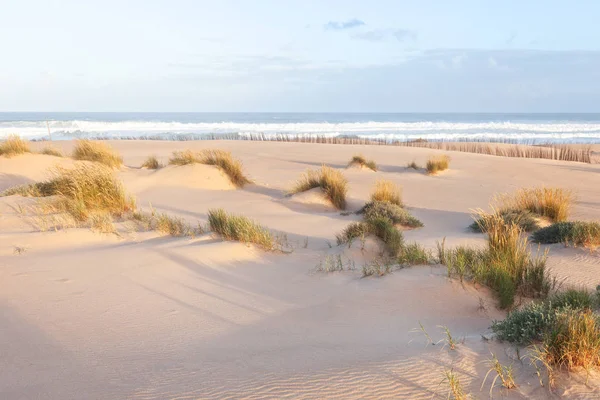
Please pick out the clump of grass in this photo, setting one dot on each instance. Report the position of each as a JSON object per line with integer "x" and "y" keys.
{"x": 51, "y": 151}
{"x": 240, "y": 228}
{"x": 174, "y": 226}
{"x": 413, "y": 165}
{"x": 450, "y": 341}
{"x": 576, "y": 233}
{"x": 380, "y": 227}
{"x": 523, "y": 218}
{"x": 377, "y": 268}
{"x": 97, "y": 152}
{"x": 152, "y": 163}
{"x": 102, "y": 222}
{"x": 455, "y": 388}
{"x": 361, "y": 161}
{"x": 505, "y": 265}
{"x": 437, "y": 164}
{"x": 352, "y": 232}
{"x": 503, "y": 372}
{"x": 393, "y": 212}
{"x": 552, "y": 203}
{"x": 82, "y": 191}
{"x": 387, "y": 191}
{"x": 413, "y": 254}
{"x": 219, "y": 158}
{"x": 13, "y": 145}
{"x": 332, "y": 182}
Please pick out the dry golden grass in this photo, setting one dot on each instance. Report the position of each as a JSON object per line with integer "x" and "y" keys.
{"x": 13, "y": 145}
{"x": 81, "y": 192}
{"x": 361, "y": 161}
{"x": 51, "y": 151}
{"x": 240, "y": 228}
{"x": 219, "y": 158}
{"x": 152, "y": 163}
{"x": 333, "y": 183}
{"x": 102, "y": 222}
{"x": 437, "y": 164}
{"x": 413, "y": 165}
{"x": 387, "y": 191}
{"x": 552, "y": 203}
{"x": 97, "y": 152}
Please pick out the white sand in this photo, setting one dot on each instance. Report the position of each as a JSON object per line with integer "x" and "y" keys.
{"x": 86, "y": 315}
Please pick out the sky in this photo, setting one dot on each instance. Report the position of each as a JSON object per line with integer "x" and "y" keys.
{"x": 300, "y": 56}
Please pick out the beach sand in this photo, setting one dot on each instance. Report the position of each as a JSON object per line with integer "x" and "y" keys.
{"x": 144, "y": 316}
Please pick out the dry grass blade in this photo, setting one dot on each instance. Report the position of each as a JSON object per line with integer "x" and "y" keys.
{"x": 332, "y": 182}
{"x": 387, "y": 191}
{"x": 13, "y": 145}
{"x": 97, "y": 152}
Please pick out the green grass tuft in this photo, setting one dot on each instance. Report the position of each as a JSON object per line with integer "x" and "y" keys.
{"x": 240, "y": 228}
{"x": 397, "y": 214}
{"x": 576, "y": 233}
{"x": 331, "y": 181}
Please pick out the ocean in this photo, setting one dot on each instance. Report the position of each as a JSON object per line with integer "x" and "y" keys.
{"x": 517, "y": 128}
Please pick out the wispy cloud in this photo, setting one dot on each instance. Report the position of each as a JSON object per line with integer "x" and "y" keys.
{"x": 380, "y": 35}
{"x": 341, "y": 25}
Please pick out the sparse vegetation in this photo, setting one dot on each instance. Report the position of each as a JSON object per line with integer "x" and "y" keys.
{"x": 378, "y": 267}
{"x": 387, "y": 191}
{"x": 219, "y": 158}
{"x": 413, "y": 165}
{"x": 332, "y": 182}
{"x": 51, "y": 151}
{"x": 152, "y": 163}
{"x": 576, "y": 233}
{"x": 361, "y": 161}
{"x": 413, "y": 254}
{"x": 437, "y": 164}
{"x": 97, "y": 152}
{"x": 503, "y": 372}
{"x": 239, "y": 228}
{"x": 552, "y": 203}
{"x": 526, "y": 220}
{"x": 396, "y": 214}
{"x": 13, "y": 145}
{"x": 505, "y": 265}
{"x": 455, "y": 389}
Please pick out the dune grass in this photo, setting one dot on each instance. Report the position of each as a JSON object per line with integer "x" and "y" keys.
{"x": 575, "y": 233}
{"x": 395, "y": 213}
{"x": 413, "y": 165}
{"x": 81, "y": 191}
{"x": 221, "y": 159}
{"x": 505, "y": 265}
{"x": 240, "y": 228}
{"x": 152, "y": 163}
{"x": 13, "y": 145}
{"x": 97, "y": 152}
{"x": 552, "y": 203}
{"x": 174, "y": 226}
{"x": 437, "y": 164}
{"x": 387, "y": 191}
{"x": 361, "y": 161}
{"x": 332, "y": 182}
{"x": 51, "y": 151}
{"x": 525, "y": 219}
{"x": 381, "y": 227}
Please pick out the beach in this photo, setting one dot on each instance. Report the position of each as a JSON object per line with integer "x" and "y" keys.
{"x": 142, "y": 315}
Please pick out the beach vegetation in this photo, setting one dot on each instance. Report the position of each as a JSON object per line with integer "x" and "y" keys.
{"x": 240, "y": 228}
{"x": 437, "y": 164}
{"x": 332, "y": 182}
{"x": 13, "y": 145}
{"x": 99, "y": 152}
{"x": 361, "y": 161}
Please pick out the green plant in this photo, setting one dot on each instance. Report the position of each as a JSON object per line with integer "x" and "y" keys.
{"x": 455, "y": 388}
{"x": 96, "y": 152}
{"x": 413, "y": 254}
{"x": 576, "y": 233}
{"x": 240, "y": 228}
{"x": 395, "y": 213}
{"x": 387, "y": 191}
{"x": 332, "y": 182}
{"x": 504, "y": 373}
{"x": 525, "y": 219}
{"x": 13, "y": 145}
{"x": 353, "y": 231}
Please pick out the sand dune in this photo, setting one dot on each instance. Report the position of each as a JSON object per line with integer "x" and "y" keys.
{"x": 144, "y": 316}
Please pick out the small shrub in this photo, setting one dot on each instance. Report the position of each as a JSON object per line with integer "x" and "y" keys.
{"x": 413, "y": 165}
{"x": 577, "y": 233}
{"x": 51, "y": 151}
{"x": 361, "y": 161}
{"x": 387, "y": 191}
{"x": 13, "y": 145}
{"x": 523, "y": 218}
{"x": 437, "y": 164}
{"x": 151, "y": 163}
{"x": 525, "y": 325}
{"x": 398, "y": 215}
{"x": 332, "y": 182}
{"x": 553, "y": 203}
{"x": 97, "y": 152}
{"x": 239, "y": 228}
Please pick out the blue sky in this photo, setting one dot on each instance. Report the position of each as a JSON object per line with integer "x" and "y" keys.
{"x": 322, "y": 56}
